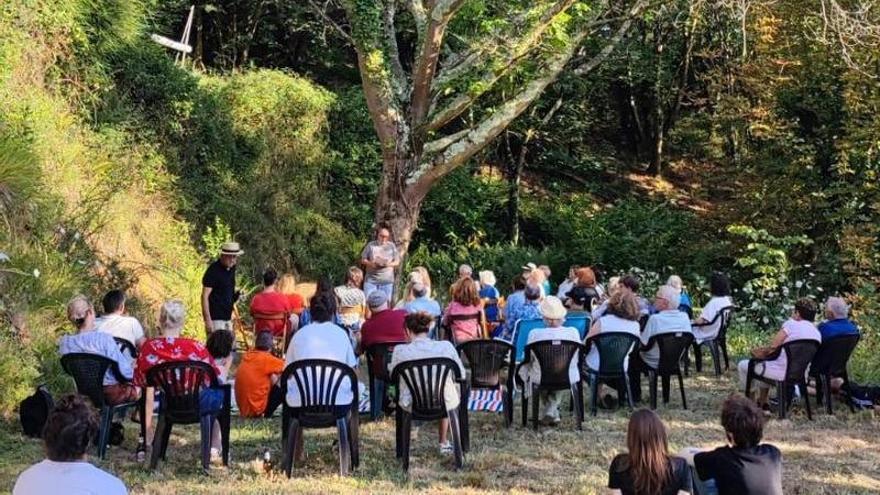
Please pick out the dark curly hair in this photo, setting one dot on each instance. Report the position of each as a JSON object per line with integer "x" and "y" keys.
{"x": 418, "y": 322}
{"x": 69, "y": 429}
{"x": 743, "y": 421}
{"x": 719, "y": 285}
{"x": 806, "y": 307}
{"x": 220, "y": 344}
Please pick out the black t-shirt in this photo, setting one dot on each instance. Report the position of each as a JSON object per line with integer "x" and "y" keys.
{"x": 752, "y": 471}
{"x": 620, "y": 476}
{"x": 222, "y": 283}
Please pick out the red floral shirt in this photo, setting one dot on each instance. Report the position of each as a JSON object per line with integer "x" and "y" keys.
{"x": 169, "y": 350}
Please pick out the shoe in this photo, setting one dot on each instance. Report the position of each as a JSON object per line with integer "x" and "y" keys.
{"x": 446, "y": 448}
{"x": 215, "y": 455}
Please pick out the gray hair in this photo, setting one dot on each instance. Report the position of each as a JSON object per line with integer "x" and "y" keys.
{"x": 670, "y": 294}
{"x": 674, "y": 281}
{"x": 172, "y": 315}
{"x": 838, "y": 307}
{"x": 465, "y": 269}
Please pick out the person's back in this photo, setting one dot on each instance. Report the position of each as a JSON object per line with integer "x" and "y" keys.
{"x": 271, "y": 311}
{"x": 607, "y": 324}
{"x": 67, "y": 434}
{"x": 748, "y": 466}
{"x": 383, "y": 327}
{"x": 554, "y": 334}
{"x": 423, "y": 305}
{"x": 668, "y": 319}
{"x": 255, "y": 377}
{"x": 98, "y": 343}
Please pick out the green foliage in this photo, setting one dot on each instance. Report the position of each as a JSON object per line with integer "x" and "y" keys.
{"x": 18, "y": 371}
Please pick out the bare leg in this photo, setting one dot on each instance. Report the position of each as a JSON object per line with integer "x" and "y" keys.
{"x": 763, "y": 396}
{"x": 444, "y": 430}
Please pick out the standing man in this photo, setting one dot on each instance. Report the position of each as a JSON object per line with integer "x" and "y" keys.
{"x": 380, "y": 258}
{"x": 218, "y": 289}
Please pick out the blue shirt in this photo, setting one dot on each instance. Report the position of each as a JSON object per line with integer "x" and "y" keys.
{"x": 490, "y": 292}
{"x": 528, "y": 310}
{"x": 837, "y": 328}
{"x": 514, "y": 301}
{"x": 101, "y": 344}
{"x": 425, "y": 304}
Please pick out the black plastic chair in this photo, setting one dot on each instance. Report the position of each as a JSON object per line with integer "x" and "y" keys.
{"x": 318, "y": 381}
{"x": 718, "y": 345}
{"x": 181, "y": 383}
{"x": 88, "y": 372}
{"x": 799, "y": 354}
{"x": 426, "y": 379}
{"x": 126, "y": 347}
{"x": 613, "y": 347}
{"x": 378, "y": 358}
{"x": 486, "y": 359}
{"x": 672, "y": 346}
{"x": 830, "y": 361}
{"x": 554, "y": 358}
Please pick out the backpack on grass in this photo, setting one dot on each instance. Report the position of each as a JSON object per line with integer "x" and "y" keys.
{"x": 34, "y": 411}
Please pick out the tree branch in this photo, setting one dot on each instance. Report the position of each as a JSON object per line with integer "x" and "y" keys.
{"x": 399, "y": 81}
{"x": 609, "y": 47}
{"x": 317, "y": 8}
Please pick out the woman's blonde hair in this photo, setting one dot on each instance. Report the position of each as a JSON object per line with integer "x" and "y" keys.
{"x": 172, "y": 315}
{"x": 465, "y": 293}
{"x": 286, "y": 284}
{"x": 624, "y": 305}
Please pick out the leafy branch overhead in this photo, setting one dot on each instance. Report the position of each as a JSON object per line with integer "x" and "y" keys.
{"x": 431, "y": 70}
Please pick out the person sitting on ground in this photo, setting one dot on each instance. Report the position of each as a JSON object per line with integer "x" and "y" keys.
{"x": 798, "y": 327}
{"x": 323, "y": 339}
{"x": 422, "y": 301}
{"x": 529, "y": 310}
{"x": 81, "y": 313}
{"x": 422, "y": 347}
{"x": 622, "y": 316}
{"x": 287, "y": 285}
{"x": 256, "y": 380}
{"x": 271, "y": 309}
{"x": 746, "y": 466}
{"x": 668, "y": 319}
{"x": 352, "y": 300}
{"x": 685, "y": 303}
{"x": 464, "y": 315}
{"x": 116, "y": 323}
{"x": 647, "y": 467}
{"x": 837, "y": 322}
{"x": 385, "y": 325}
{"x": 220, "y": 345}
{"x": 719, "y": 287}
{"x": 490, "y": 297}
{"x": 554, "y": 317}
{"x": 568, "y": 283}
{"x": 69, "y": 430}
{"x": 172, "y": 348}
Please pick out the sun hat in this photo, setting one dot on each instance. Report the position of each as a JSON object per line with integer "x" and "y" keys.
{"x": 376, "y": 298}
{"x": 487, "y": 277}
{"x": 231, "y": 248}
{"x": 552, "y": 308}
{"x": 529, "y": 267}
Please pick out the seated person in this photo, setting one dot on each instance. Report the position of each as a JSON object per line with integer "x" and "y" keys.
{"x": 554, "y": 316}
{"x": 352, "y": 300}
{"x": 464, "y": 315}
{"x": 271, "y": 309}
{"x": 516, "y": 299}
{"x": 668, "y": 319}
{"x": 490, "y": 296}
{"x": 648, "y": 468}
{"x": 116, "y": 323}
{"x": 746, "y": 466}
{"x": 172, "y": 348}
{"x": 256, "y": 380}
{"x": 628, "y": 283}
{"x": 719, "y": 287}
{"x": 422, "y": 347}
{"x": 622, "y": 315}
{"x": 422, "y": 301}
{"x": 69, "y": 430}
{"x": 685, "y": 303}
{"x": 221, "y": 347}
{"x": 323, "y": 339}
{"x": 586, "y": 285}
{"x": 578, "y": 301}
{"x": 385, "y": 325}
{"x": 287, "y": 287}
{"x": 81, "y": 313}
{"x": 530, "y": 309}
{"x": 566, "y": 285}
{"x": 798, "y": 327}
{"x": 837, "y": 322}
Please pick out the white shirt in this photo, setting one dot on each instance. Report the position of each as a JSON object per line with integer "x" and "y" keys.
{"x": 531, "y": 372}
{"x": 667, "y": 321}
{"x": 611, "y": 323}
{"x": 124, "y": 327}
{"x": 564, "y": 287}
{"x": 321, "y": 341}
{"x": 710, "y": 310}
{"x": 423, "y": 347}
{"x": 70, "y": 478}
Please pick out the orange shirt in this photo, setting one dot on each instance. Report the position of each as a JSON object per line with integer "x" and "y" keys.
{"x": 252, "y": 383}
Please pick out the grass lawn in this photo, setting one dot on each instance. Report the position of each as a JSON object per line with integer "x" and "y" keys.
{"x": 832, "y": 454}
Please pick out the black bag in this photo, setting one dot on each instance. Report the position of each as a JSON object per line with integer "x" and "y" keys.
{"x": 34, "y": 411}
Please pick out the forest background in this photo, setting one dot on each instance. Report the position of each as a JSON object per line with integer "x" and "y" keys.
{"x": 732, "y": 135}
